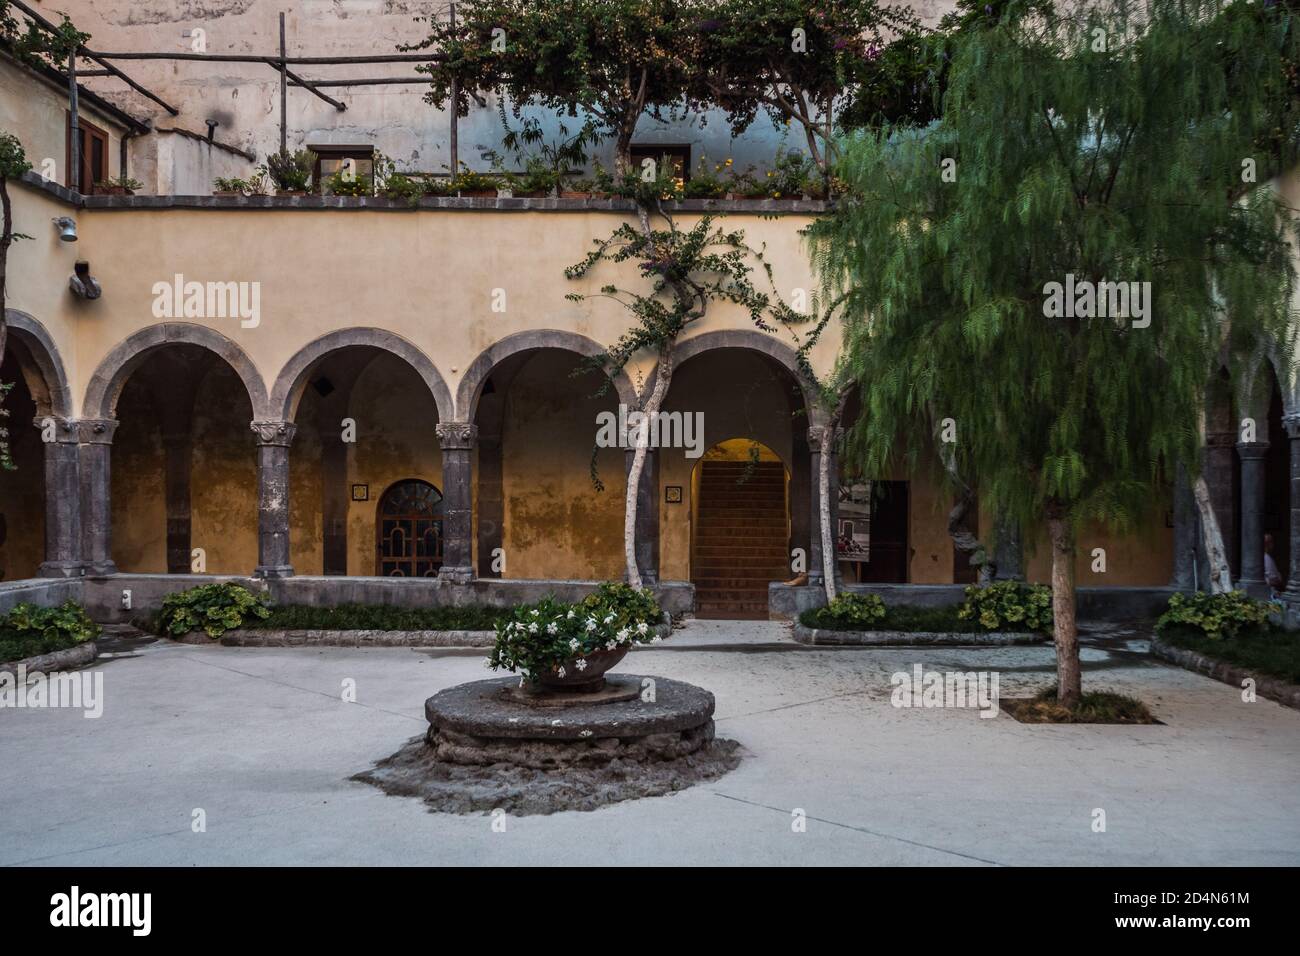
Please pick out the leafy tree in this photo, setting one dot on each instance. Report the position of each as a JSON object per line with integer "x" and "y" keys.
{"x": 609, "y": 59}
{"x": 806, "y": 61}
{"x": 1108, "y": 145}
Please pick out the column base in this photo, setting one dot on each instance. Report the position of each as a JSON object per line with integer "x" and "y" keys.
{"x": 273, "y": 571}
{"x": 100, "y": 569}
{"x": 61, "y": 569}
{"x": 1256, "y": 589}
{"x": 458, "y": 575}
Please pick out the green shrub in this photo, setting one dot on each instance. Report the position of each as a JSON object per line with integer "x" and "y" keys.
{"x": 211, "y": 608}
{"x": 381, "y": 617}
{"x": 1216, "y": 615}
{"x": 854, "y": 612}
{"x": 291, "y": 172}
{"x": 28, "y": 630}
{"x": 544, "y": 637}
{"x": 1009, "y": 605}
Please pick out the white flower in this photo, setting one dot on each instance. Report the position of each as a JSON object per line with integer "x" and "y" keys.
{"x": 559, "y": 672}
{"x": 609, "y": 619}
{"x": 591, "y": 623}
{"x": 534, "y": 612}
{"x": 642, "y": 627}
{"x": 532, "y": 628}
{"x": 581, "y": 665}
{"x": 656, "y": 639}
{"x": 570, "y": 614}
{"x": 611, "y": 646}
{"x": 573, "y": 644}
{"x": 552, "y": 628}
{"x": 623, "y": 634}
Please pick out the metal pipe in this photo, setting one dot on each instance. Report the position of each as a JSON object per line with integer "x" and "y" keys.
{"x": 284, "y": 91}
{"x": 74, "y": 125}
{"x": 272, "y": 60}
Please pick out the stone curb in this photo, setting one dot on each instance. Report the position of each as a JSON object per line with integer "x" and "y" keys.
{"x": 1288, "y": 695}
{"x": 822, "y": 636}
{"x": 358, "y": 638}
{"x": 65, "y": 659}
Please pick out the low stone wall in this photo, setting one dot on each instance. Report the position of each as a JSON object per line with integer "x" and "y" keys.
{"x": 1269, "y": 687}
{"x": 63, "y": 660}
{"x": 1120, "y": 604}
{"x": 103, "y": 595}
{"x": 275, "y": 638}
{"x": 816, "y": 635}
{"x": 44, "y": 592}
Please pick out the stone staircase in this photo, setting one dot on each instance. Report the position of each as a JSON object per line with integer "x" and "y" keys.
{"x": 740, "y": 540}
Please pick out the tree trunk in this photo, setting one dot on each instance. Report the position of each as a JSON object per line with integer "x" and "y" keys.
{"x": 824, "y": 511}
{"x": 1215, "y": 552}
{"x": 663, "y": 377}
{"x": 1065, "y": 631}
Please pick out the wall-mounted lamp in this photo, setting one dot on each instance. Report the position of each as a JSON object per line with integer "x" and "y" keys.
{"x": 83, "y": 284}
{"x": 67, "y": 228}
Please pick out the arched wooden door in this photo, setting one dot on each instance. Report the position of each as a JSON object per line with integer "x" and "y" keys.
{"x": 409, "y": 532}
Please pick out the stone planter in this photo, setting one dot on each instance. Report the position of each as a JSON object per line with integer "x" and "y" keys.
{"x": 65, "y": 659}
{"x": 824, "y": 636}
{"x": 592, "y": 676}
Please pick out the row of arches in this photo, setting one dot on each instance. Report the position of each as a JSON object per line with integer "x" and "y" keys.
{"x": 360, "y": 418}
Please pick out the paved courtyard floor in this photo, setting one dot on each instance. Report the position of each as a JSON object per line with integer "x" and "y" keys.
{"x": 262, "y": 742}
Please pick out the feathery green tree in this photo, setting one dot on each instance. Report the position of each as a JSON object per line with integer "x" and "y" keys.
{"x": 1040, "y": 282}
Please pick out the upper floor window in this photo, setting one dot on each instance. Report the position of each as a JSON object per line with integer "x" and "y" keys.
{"x": 352, "y": 162}
{"x": 93, "y": 155}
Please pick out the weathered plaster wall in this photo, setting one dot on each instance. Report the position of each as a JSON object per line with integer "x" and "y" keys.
{"x": 1144, "y": 556}
{"x": 557, "y": 525}
{"x": 395, "y": 417}
{"x": 35, "y": 110}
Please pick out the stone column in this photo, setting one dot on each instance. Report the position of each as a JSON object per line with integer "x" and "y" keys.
{"x": 491, "y": 505}
{"x": 177, "y": 455}
{"x": 273, "y": 441}
{"x": 646, "y": 540}
{"x": 801, "y": 480}
{"x": 1185, "y": 537}
{"x": 457, "y": 441}
{"x": 1252, "y": 518}
{"x": 1292, "y": 425}
{"x": 63, "y": 538}
{"x": 95, "y": 437}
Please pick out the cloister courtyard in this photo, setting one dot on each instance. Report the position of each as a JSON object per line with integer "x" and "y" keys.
{"x": 262, "y": 742}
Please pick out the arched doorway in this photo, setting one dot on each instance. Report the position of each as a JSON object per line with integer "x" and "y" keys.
{"x": 408, "y": 532}
{"x": 740, "y": 529}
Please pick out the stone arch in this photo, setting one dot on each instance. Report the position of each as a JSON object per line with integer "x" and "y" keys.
{"x": 42, "y": 365}
{"x": 289, "y": 384}
{"x": 106, "y": 384}
{"x": 471, "y": 386}
{"x": 754, "y": 341}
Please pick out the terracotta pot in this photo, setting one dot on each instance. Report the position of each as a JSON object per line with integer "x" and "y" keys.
{"x": 227, "y": 193}
{"x": 535, "y": 194}
{"x": 575, "y": 194}
{"x": 598, "y": 662}
{"x": 116, "y": 191}
{"x": 479, "y": 193}
{"x": 291, "y": 192}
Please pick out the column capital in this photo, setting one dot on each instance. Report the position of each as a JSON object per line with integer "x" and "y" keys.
{"x": 1252, "y": 449}
{"x": 57, "y": 430}
{"x": 1291, "y": 422}
{"x": 97, "y": 431}
{"x": 274, "y": 433}
{"x": 453, "y": 436}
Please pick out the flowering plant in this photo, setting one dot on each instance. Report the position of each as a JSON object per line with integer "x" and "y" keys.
{"x": 553, "y": 636}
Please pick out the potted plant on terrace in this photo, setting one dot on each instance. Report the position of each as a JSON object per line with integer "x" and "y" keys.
{"x": 473, "y": 184}
{"x": 290, "y": 172}
{"x": 118, "y": 186}
{"x": 559, "y": 646}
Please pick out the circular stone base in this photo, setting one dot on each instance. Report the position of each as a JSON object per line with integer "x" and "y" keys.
{"x": 487, "y": 750}
{"x": 611, "y": 691}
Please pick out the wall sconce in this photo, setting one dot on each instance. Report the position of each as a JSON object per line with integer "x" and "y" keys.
{"x": 67, "y": 228}
{"x": 83, "y": 284}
